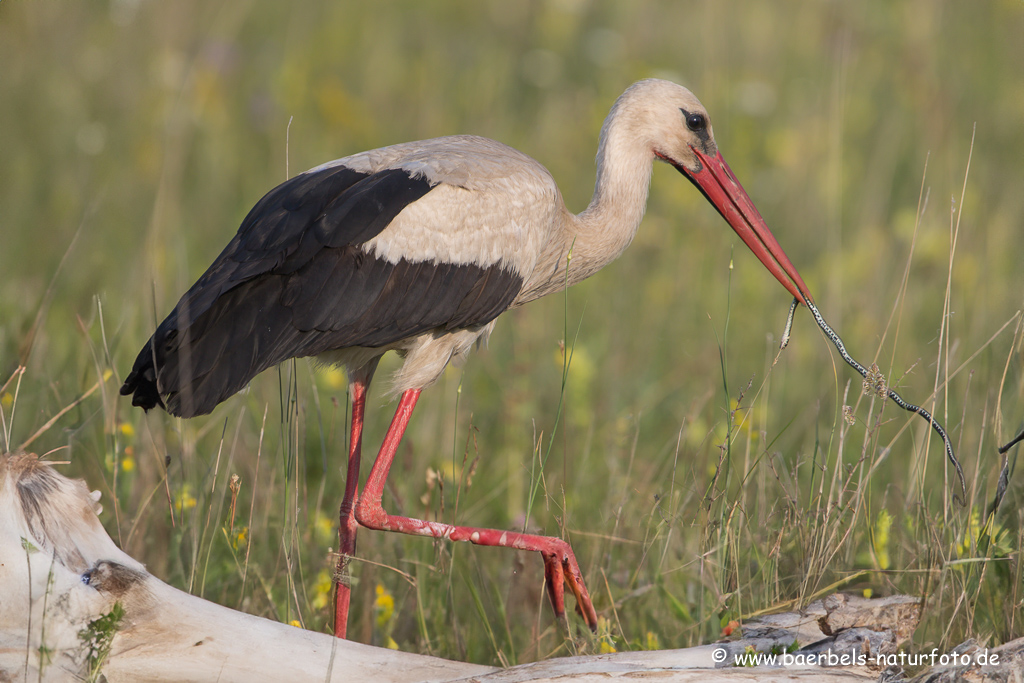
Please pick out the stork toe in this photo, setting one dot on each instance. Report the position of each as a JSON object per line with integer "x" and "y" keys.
{"x": 573, "y": 577}
{"x": 554, "y": 582}
{"x": 561, "y": 570}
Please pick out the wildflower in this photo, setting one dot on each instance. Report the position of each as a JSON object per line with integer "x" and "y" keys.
{"x": 880, "y": 538}
{"x": 323, "y": 527}
{"x": 579, "y": 380}
{"x": 322, "y": 590}
{"x": 185, "y": 500}
{"x": 384, "y": 606}
{"x": 743, "y": 419}
{"x": 973, "y": 532}
{"x": 334, "y": 377}
{"x": 604, "y": 632}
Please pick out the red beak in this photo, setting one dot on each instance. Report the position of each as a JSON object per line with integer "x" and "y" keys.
{"x": 718, "y": 184}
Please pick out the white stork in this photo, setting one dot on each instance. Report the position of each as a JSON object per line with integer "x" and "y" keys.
{"x": 417, "y": 248}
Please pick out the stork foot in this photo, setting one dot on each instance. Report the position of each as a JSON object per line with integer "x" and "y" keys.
{"x": 560, "y": 570}
{"x": 560, "y": 566}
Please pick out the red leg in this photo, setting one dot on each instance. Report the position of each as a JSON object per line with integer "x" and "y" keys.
{"x": 348, "y": 525}
{"x": 560, "y": 566}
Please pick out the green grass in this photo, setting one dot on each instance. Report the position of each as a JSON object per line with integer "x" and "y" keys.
{"x": 642, "y": 415}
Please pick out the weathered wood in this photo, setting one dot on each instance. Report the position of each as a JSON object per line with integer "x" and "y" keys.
{"x": 60, "y": 573}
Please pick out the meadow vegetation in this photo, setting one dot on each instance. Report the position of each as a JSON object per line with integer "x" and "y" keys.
{"x": 646, "y": 415}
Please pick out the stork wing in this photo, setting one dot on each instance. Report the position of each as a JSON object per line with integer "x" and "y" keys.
{"x": 294, "y": 281}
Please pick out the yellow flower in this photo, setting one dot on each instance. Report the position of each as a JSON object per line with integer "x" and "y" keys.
{"x": 744, "y": 418}
{"x": 240, "y": 537}
{"x": 128, "y": 464}
{"x": 578, "y": 381}
{"x": 323, "y": 527}
{"x": 868, "y": 593}
{"x": 652, "y": 641}
{"x": 973, "y": 533}
{"x": 604, "y": 632}
{"x": 322, "y": 590}
{"x": 998, "y": 537}
{"x": 185, "y": 500}
{"x": 334, "y": 377}
{"x": 880, "y": 538}
{"x": 127, "y": 429}
{"x": 384, "y": 606}
{"x": 295, "y": 623}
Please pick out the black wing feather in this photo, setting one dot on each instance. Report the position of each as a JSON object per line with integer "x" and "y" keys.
{"x": 294, "y": 282}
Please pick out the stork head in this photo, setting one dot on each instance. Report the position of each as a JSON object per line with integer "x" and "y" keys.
{"x": 679, "y": 132}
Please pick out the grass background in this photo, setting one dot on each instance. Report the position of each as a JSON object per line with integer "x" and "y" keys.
{"x": 697, "y": 483}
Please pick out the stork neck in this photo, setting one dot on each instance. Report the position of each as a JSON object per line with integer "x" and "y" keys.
{"x": 607, "y": 226}
{"x": 587, "y": 242}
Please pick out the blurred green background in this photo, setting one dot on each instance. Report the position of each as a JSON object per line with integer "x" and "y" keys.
{"x": 696, "y": 483}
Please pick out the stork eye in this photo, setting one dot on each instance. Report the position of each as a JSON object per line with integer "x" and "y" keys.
{"x": 696, "y": 122}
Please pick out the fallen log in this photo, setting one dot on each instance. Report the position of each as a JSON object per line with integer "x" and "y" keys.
{"x": 73, "y": 606}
